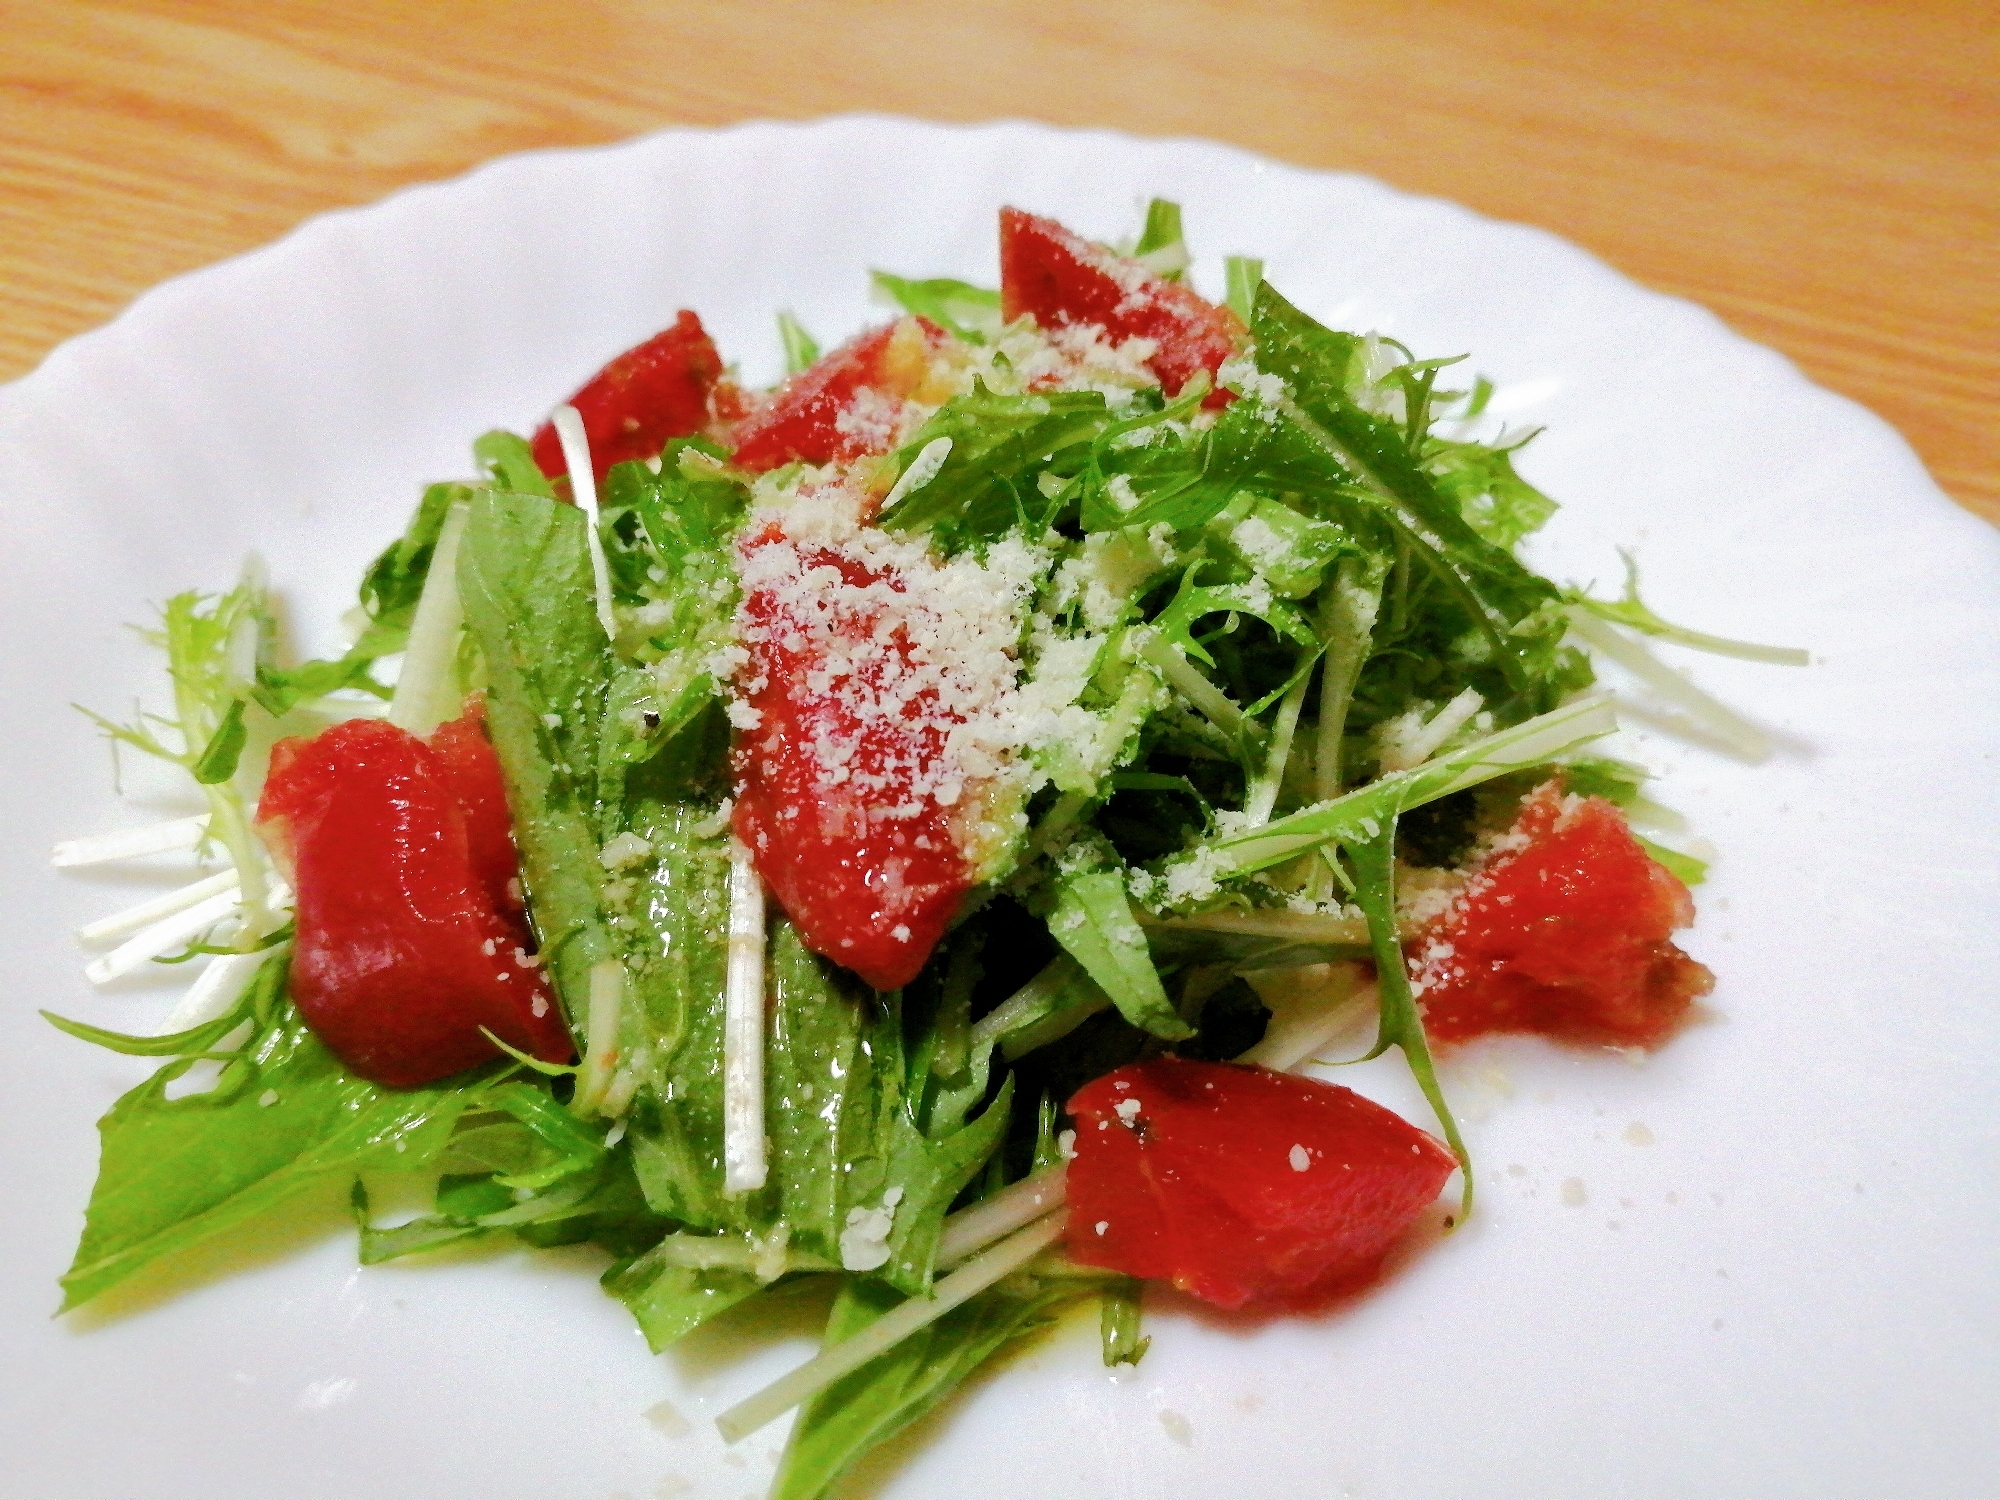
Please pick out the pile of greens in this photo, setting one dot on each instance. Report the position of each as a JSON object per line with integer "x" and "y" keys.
{"x": 1310, "y": 660}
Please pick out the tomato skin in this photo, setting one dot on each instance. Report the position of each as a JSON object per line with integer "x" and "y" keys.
{"x": 871, "y": 893}
{"x": 1566, "y": 936}
{"x": 802, "y": 421}
{"x": 408, "y": 918}
{"x": 471, "y": 774}
{"x": 1060, "y": 277}
{"x": 647, "y": 396}
{"x": 1198, "y": 1186}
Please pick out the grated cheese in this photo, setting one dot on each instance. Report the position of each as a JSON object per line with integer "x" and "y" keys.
{"x": 623, "y": 850}
{"x": 864, "y": 1242}
{"x": 1072, "y": 357}
{"x": 1240, "y": 374}
{"x": 899, "y": 639}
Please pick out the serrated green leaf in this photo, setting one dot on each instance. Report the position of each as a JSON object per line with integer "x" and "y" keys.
{"x": 1093, "y": 921}
{"x": 971, "y": 312}
{"x": 510, "y": 461}
{"x": 888, "y": 1393}
{"x": 284, "y": 1117}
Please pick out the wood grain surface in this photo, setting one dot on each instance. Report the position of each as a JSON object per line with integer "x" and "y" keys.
{"x": 1825, "y": 176}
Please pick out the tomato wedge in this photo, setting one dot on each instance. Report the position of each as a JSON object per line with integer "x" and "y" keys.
{"x": 847, "y": 406}
{"x": 411, "y": 934}
{"x": 831, "y": 766}
{"x": 1565, "y": 934}
{"x": 643, "y": 399}
{"x": 1243, "y": 1186}
{"x": 1060, "y": 277}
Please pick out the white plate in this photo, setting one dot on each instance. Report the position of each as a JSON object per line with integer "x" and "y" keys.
{"x": 1789, "y": 1291}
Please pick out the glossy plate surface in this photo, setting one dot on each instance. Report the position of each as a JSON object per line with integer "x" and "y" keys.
{"x": 1760, "y": 1264}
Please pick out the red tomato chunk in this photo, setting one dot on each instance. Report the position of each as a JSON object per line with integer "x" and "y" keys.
{"x": 870, "y": 891}
{"x": 1060, "y": 277}
{"x": 847, "y": 406}
{"x": 1240, "y": 1185}
{"x": 642, "y": 400}
{"x": 411, "y": 933}
{"x": 1565, "y": 934}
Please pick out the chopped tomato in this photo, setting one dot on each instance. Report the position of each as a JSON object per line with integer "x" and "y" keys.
{"x": 1060, "y": 277}
{"x": 1564, "y": 933}
{"x": 1240, "y": 1185}
{"x": 831, "y": 778}
{"x": 411, "y": 934}
{"x": 644, "y": 398}
{"x": 472, "y": 778}
{"x": 848, "y": 405}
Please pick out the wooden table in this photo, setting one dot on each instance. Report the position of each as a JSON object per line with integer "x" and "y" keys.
{"x": 1826, "y": 176}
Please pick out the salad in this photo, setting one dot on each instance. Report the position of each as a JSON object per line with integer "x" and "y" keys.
{"x": 906, "y": 828}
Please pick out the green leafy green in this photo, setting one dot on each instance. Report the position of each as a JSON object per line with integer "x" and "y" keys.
{"x": 597, "y": 1200}
{"x": 1268, "y": 539}
{"x": 283, "y": 1116}
{"x": 893, "y": 1390}
{"x": 1151, "y": 468}
{"x": 215, "y": 648}
{"x": 1496, "y": 502}
{"x": 1093, "y": 920}
{"x": 1361, "y": 814}
{"x": 194, "y": 1041}
{"x": 1047, "y": 1008}
{"x": 1684, "y": 867}
{"x": 681, "y": 576}
{"x": 1353, "y": 446}
{"x": 1162, "y": 247}
{"x": 395, "y": 580}
{"x": 986, "y": 486}
{"x": 526, "y": 584}
{"x": 1243, "y": 273}
{"x": 1635, "y": 614}
{"x": 1616, "y": 781}
{"x": 1197, "y": 947}
{"x": 864, "y": 1121}
{"x": 217, "y": 761}
{"x": 971, "y": 312}
{"x": 511, "y": 463}
{"x": 1401, "y": 1024}
{"x": 670, "y": 1302}
{"x": 800, "y": 350}
{"x": 1118, "y": 1324}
